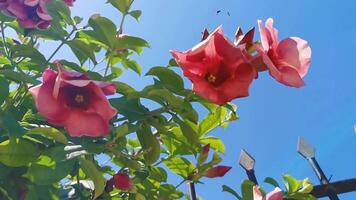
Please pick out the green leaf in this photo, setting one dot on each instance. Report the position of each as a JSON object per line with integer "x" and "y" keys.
{"x": 167, "y": 191}
{"x": 122, "y": 5}
{"x": 27, "y": 51}
{"x": 212, "y": 121}
{"x": 4, "y": 89}
{"x": 215, "y": 143}
{"x": 130, "y": 108}
{"x": 16, "y": 153}
{"x": 6, "y": 18}
{"x": 136, "y": 14}
{"x": 231, "y": 191}
{"x": 158, "y": 174}
{"x": 60, "y": 11}
{"x": 104, "y": 29}
{"x": 292, "y": 184}
{"x": 189, "y": 133}
{"x": 46, "y": 171}
{"x": 180, "y": 166}
{"x": 49, "y": 133}
{"x": 272, "y": 182}
{"x": 19, "y": 76}
{"x": 124, "y": 89}
{"x": 95, "y": 175}
{"x": 131, "y": 64}
{"x": 11, "y": 125}
{"x": 130, "y": 42}
{"x": 168, "y": 77}
{"x": 149, "y": 143}
{"x": 82, "y": 50}
{"x": 247, "y": 190}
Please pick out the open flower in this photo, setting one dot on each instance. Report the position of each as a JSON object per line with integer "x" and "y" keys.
{"x": 122, "y": 181}
{"x": 72, "y": 100}
{"x": 287, "y": 61}
{"x": 218, "y": 69}
{"x": 30, "y": 13}
{"x": 276, "y": 194}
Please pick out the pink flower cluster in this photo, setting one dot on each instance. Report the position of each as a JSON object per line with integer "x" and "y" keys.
{"x": 222, "y": 70}
{"x": 30, "y": 13}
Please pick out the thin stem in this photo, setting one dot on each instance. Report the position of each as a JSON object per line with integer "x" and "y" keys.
{"x": 60, "y": 45}
{"x": 4, "y": 40}
{"x": 192, "y": 193}
{"x": 179, "y": 184}
{"x": 107, "y": 68}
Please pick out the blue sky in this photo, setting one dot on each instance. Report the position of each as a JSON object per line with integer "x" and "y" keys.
{"x": 272, "y": 118}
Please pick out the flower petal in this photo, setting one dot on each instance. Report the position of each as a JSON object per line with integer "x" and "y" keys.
{"x": 100, "y": 105}
{"x": 276, "y": 194}
{"x": 296, "y": 52}
{"x": 31, "y": 3}
{"x": 79, "y": 123}
{"x": 47, "y": 105}
{"x": 107, "y": 88}
{"x": 291, "y": 77}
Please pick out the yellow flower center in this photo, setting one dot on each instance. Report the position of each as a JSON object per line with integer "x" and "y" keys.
{"x": 211, "y": 78}
{"x": 79, "y": 98}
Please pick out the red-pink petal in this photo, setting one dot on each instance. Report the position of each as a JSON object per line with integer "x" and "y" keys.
{"x": 206, "y": 90}
{"x": 264, "y": 36}
{"x": 107, "y": 88}
{"x": 31, "y": 2}
{"x": 296, "y": 52}
{"x": 100, "y": 105}
{"x": 257, "y": 195}
{"x": 79, "y": 123}
{"x": 291, "y": 77}
{"x": 18, "y": 10}
{"x": 273, "y": 33}
{"x": 218, "y": 171}
{"x": 43, "y": 14}
{"x": 238, "y": 86}
{"x": 276, "y": 194}
{"x": 46, "y": 104}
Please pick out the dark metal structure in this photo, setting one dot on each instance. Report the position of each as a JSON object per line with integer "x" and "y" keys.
{"x": 325, "y": 189}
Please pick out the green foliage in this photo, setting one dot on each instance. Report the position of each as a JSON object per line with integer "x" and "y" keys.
{"x": 295, "y": 189}
{"x": 157, "y": 128}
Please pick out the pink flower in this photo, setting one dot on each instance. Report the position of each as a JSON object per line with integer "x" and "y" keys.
{"x": 219, "y": 70}
{"x": 218, "y": 171}
{"x": 122, "y": 181}
{"x": 276, "y": 194}
{"x": 69, "y": 2}
{"x": 71, "y": 100}
{"x": 30, "y": 13}
{"x": 287, "y": 61}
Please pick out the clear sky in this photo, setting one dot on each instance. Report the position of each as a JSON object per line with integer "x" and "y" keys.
{"x": 272, "y": 118}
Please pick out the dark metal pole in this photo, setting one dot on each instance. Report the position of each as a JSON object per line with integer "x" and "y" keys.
{"x": 308, "y": 152}
{"x": 251, "y": 176}
{"x": 322, "y": 178}
{"x": 339, "y": 187}
{"x": 192, "y": 193}
{"x": 247, "y": 162}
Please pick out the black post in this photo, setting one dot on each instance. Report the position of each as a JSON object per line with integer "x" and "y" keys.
{"x": 192, "y": 193}
{"x": 251, "y": 176}
{"x": 308, "y": 152}
{"x": 247, "y": 162}
{"x": 322, "y": 178}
